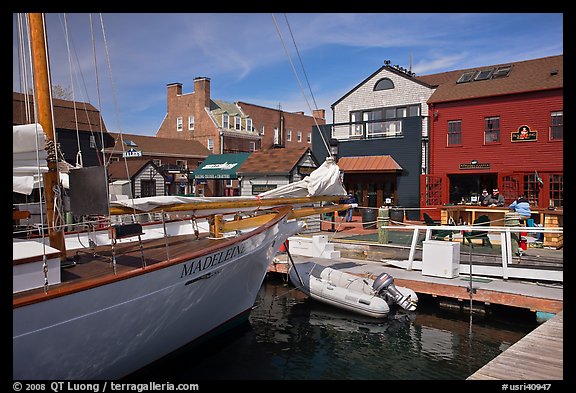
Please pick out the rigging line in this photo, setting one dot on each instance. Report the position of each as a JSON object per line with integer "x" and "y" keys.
{"x": 301, "y": 89}
{"x": 116, "y": 110}
{"x": 22, "y": 71}
{"x": 37, "y": 132}
{"x": 79, "y": 154}
{"x": 300, "y": 59}
{"x": 85, "y": 91}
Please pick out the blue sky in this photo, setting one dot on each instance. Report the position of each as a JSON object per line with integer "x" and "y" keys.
{"x": 245, "y": 56}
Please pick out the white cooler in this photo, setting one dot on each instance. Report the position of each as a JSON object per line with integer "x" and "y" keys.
{"x": 441, "y": 258}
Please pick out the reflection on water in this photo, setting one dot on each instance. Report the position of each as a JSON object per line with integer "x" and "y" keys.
{"x": 291, "y": 337}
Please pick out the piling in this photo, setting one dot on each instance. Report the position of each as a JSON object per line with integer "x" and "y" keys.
{"x": 512, "y": 219}
{"x": 383, "y": 221}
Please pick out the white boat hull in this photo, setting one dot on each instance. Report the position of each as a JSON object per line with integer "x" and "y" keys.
{"x": 341, "y": 289}
{"x": 111, "y": 331}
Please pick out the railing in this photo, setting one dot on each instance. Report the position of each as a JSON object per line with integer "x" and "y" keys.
{"x": 504, "y": 236}
{"x": 368, "y": 129}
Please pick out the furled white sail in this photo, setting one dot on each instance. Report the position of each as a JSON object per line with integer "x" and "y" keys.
{"x": 29, "y": 157}
{"x": 323, "y": 181}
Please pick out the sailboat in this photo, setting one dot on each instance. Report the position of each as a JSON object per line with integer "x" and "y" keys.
{"x": 140, "y": 291}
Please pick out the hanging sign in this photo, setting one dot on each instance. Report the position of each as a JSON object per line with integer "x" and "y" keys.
{"x": 524, "y": 134}
{"x": 475, "y": 165}
{"x": 132, "y": 153}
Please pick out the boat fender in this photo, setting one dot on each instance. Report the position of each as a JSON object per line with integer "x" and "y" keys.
{"x": 384, "y": 285}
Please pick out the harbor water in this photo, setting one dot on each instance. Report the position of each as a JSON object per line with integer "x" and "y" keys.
{"x": 291, "y": 337}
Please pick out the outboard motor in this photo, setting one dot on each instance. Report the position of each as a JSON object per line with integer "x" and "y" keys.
{"x": 384, "y": 284}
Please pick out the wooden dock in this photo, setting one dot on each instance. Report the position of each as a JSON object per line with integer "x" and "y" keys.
{"x": 538, "y": 356}
{"x": 486, "y": 292}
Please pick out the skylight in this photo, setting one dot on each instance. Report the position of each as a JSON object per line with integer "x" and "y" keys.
{"x": 466, "y": 77}
{"x": 484, "y": 74}
{"x": 128, "y": 142}
{"x": 502, "y": 71}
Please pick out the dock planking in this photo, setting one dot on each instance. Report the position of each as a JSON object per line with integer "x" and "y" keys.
{"x": 538, "y": 356}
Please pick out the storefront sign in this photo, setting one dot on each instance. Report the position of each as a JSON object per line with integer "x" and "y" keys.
{"x": 524, "y": 134}
{"x": 259, "y": 188}
{"x": 132, "y": 153}
{"x": 475, "y": 165}
{"x": 305, "y": 170}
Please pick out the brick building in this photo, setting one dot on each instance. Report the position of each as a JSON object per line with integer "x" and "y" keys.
{"x": 225, "y": 127}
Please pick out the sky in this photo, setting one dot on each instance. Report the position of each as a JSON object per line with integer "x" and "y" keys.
{"x": 293, "y": 61}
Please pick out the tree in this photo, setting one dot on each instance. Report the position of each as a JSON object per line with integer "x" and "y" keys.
{"x": 58, "y": 91}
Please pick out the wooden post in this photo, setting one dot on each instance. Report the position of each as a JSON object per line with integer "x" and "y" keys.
{"x": 383, "y": 220}
{"x": 44, "y": 104}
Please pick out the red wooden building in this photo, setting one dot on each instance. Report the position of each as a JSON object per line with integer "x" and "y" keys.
{"x": 498, "y": 126}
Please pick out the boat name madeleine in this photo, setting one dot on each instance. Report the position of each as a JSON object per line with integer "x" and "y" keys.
{"x": 207, "y": 261}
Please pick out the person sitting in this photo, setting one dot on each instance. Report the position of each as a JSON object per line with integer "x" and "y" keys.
{"x": 484, "y": 198}
{"x": 522, "y": 207}
{"x": 496, "y": 199}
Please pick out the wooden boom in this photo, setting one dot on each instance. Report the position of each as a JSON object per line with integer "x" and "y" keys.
{"x": 218, "y": 225}
{"x": 116, "y": 210}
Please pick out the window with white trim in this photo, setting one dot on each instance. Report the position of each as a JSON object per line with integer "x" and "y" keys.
{"x": 252, "y": 146}
{"x": 237, "y": 122}
{"x": 556, "y": 126}
{"x": 225, "y": 121}
{"x": 179, "y": 123}
{"x": 248, "y": 124}
{"x": 309, "y": 137}
{"x": 299, "y": 136}
{"x": 191, "y": 122}
{"x": 454, "y": 132}
{"x": 210, "y": 145}
{"x": 262, "y": 129}
{"x": 492, "y": 130}
{"x": 289, "y": 136}
{"x": 92, "y": 142}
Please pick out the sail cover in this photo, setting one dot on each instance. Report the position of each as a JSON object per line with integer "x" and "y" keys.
{"x": 323, "y": 181}
{"x": 29, "y": 157}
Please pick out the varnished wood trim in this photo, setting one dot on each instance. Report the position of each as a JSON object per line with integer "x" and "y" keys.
{"x": 73, "y": 287}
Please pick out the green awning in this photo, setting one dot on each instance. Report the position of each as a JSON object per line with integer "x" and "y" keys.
{"x": 220, "y": 166}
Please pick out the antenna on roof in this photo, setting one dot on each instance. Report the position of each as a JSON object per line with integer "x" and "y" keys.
{"x": 410, "y": 69}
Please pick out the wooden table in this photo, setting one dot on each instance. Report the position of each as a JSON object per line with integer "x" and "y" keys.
{"x": 468, "y": 213}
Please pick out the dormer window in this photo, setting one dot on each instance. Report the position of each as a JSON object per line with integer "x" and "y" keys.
{"x": 248, "y": 124}
{"x": 225, "y": 121}
{"x": 237, "y": 123}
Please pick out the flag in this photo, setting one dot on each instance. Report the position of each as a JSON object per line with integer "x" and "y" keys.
{"x": 538, "y": 178}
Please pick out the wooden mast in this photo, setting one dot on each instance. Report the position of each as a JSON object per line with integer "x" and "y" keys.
{"x": 44, "y": 106}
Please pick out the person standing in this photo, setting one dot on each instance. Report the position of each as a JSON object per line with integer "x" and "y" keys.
{"x": 496, "y": 199}
{"x": 351, "y": 199}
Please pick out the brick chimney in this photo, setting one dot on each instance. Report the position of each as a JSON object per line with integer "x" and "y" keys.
{"x": 202, "y": 91}
{"x": 319, "y": 113}
{"x": 173, "y": 90}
